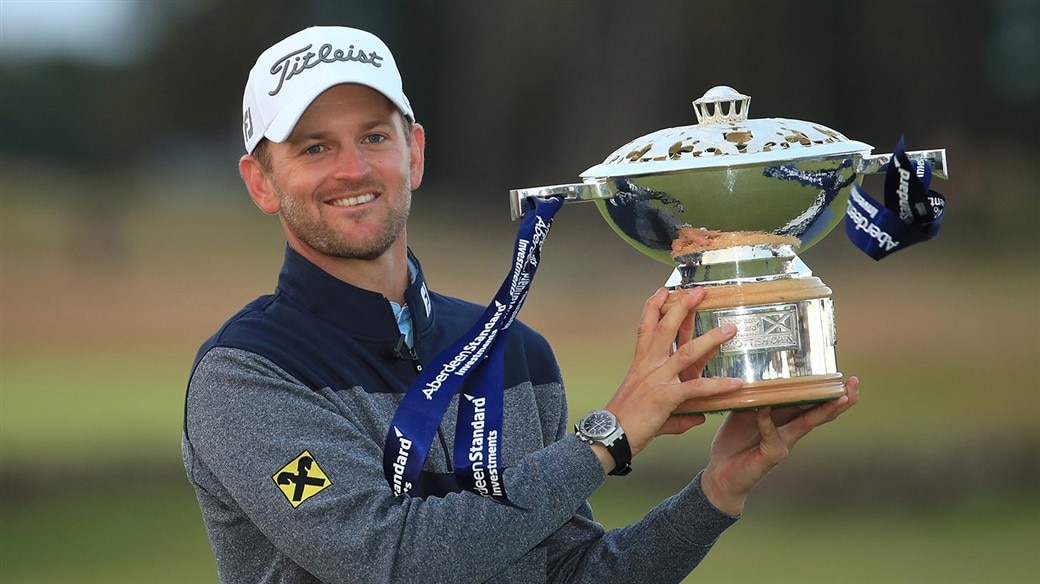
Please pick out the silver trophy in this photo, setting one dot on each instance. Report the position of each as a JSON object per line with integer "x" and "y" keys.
{"x": 727, "y": 202}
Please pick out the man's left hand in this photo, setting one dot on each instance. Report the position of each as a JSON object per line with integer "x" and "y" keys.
{"x": 751, "y": 442}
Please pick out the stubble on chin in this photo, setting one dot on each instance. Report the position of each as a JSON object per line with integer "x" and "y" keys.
{"x": 316, "y": 232}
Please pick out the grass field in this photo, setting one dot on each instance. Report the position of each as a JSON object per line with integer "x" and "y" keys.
{"x": 154, "y": 535}
{"x": 933, "y": 478}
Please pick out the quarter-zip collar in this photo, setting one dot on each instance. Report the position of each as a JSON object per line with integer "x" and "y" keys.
{"x": 365, "y": 314}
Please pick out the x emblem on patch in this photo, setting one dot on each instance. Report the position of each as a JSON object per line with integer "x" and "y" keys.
{"x": 301, "y": 479}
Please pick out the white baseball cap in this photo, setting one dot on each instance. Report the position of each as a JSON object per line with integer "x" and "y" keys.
{"x": 288, "y": 76}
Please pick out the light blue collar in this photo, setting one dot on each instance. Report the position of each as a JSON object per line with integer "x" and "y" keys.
{"x": 403, "y": 313}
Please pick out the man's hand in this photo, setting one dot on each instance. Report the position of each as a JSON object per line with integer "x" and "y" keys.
{"x": 750, "y": 443}
{"x": 659, "y": 380}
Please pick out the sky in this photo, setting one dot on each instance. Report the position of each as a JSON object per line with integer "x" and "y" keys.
{"x": 99, "y": 31}
{"x": 116, "y": 31}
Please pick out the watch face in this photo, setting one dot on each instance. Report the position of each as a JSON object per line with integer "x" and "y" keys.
{"x": 598, "y": 424}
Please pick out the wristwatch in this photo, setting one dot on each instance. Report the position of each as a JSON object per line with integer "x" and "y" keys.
{"x": 602, "y": 427}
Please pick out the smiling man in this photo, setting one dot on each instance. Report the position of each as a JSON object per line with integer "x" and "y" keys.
{"x": 342, "y": 184}
{"x": 299, "y": 414}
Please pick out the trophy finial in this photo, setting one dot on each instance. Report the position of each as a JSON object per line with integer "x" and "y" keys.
{"x": 709, "y": 108}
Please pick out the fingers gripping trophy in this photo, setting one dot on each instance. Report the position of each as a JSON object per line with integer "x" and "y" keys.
{"x": 728, "y": 203}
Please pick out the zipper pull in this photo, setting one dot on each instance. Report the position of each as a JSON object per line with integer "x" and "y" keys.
{"x": 403, "y": 351}
{"x": 415, "y": 359}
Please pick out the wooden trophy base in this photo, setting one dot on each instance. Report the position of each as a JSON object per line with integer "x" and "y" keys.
{"x": 776, "y": 392}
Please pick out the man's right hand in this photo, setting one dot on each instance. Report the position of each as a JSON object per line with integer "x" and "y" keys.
{"x": 660, "y": 379}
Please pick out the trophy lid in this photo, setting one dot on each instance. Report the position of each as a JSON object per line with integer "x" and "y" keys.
{"x": 724, "y": 137}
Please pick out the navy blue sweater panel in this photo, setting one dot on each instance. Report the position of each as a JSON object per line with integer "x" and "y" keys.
{"x": 319, "y": 354}
{"x": 326, "y": 333}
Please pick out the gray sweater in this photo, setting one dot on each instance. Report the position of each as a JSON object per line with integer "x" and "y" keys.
{"x": 288, "y": 466}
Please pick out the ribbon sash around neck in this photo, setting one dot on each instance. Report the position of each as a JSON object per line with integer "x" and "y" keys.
{"x": 473, "y": 367}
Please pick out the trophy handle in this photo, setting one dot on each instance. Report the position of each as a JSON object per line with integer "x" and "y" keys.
{"x": 875, "y": 163}
{"x": 572, "y": 193}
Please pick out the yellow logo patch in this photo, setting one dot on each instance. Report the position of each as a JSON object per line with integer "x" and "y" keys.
{"x": 301, "y": 479}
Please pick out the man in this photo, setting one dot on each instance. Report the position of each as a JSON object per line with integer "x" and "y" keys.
{"x": 289, "y": 405}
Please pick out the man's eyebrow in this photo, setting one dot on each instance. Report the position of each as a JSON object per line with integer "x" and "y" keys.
{"x": 324, "y": 134}
{"x": 375, "y": 123}
{"x": 300, "y": 138}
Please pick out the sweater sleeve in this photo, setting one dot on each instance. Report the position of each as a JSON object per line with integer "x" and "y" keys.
{"x": 665, "y": 546}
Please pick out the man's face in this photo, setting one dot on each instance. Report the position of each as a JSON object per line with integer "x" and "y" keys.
{"x": 343, "y": 178}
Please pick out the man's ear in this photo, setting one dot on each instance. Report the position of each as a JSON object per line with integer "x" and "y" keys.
{"x": 418, "y": 161}
{"x": 259, "y": 184}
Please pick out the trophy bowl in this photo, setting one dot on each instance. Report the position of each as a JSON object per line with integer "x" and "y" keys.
{"x": 728, "y": 203}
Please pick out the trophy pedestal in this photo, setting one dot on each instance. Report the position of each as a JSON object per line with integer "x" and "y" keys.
{"x": 778, "y": 392}
{"x": 784, "y": 346}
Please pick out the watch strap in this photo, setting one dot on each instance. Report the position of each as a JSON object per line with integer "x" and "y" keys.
{"x": 622, "y": 453}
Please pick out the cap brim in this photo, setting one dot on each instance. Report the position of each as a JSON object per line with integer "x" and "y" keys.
{"x": 282, "y": 125}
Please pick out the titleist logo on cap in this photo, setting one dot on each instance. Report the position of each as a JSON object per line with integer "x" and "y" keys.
{"x": 300, "y": 60}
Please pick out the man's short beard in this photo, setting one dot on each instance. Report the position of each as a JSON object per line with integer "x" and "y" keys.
{"x": 317, "y": 234}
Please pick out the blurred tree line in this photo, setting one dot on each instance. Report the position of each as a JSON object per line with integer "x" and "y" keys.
{"x": 522, "y": 93}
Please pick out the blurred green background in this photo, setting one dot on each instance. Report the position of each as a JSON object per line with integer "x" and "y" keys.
{"x": 127, "y": 238}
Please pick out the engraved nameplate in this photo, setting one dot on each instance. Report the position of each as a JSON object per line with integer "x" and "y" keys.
{"x": 761, "y": 328}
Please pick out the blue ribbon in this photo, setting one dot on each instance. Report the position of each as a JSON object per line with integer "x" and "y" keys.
{"x": 912, "y": 212}
{"x": 473, "y": 366}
